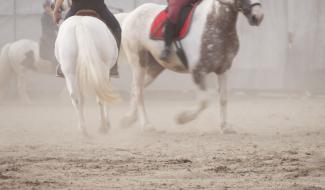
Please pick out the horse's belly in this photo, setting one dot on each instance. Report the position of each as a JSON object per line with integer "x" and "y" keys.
{"x": 174, "y": 65}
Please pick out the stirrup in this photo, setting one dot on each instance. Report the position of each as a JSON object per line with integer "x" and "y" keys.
{"x": 59, "y": 72}
{"x": 59, "y": 75}
{"x": 165, "y": 55}
{"x": 114, "y": 74}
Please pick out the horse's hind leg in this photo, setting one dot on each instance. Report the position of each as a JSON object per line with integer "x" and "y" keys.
{"x": 222, "y": 80}
{"x": 189, "y": 115}
{"x": 104, "y": 119}
{"x": 153, "y": 70}
{"x": 77, "y": 100}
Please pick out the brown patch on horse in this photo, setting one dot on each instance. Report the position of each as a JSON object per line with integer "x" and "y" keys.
{"x": 219, "y": 41}
{"x": 29, "y": 60}
{"x": 87, "y": 12}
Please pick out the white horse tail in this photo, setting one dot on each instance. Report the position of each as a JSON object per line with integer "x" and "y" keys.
{"x": 5, "y": 66}
{"x": 92, "y": 71}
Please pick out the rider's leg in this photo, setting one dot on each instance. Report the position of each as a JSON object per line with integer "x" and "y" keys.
{"x": 174, "y": 9}
{"x": 170, "y": 32}
{"x": 112, "y": 24}
{"x": 115, "y": 28}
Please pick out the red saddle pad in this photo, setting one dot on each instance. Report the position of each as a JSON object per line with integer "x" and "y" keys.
{"x": 158, "y": 25}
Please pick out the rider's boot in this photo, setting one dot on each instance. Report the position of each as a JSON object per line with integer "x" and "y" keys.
{"x": 117, "y": 34}
{"x": 115, "y": 28}
{"x": 170, "y": 30}
{"x": 114, "y": 71}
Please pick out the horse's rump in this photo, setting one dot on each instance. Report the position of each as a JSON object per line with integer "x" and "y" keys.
{"x": 95, "y": 14}
{"x": 96, "y": 54}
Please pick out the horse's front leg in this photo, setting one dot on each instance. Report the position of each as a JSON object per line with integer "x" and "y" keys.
{"x": 203, "y": 99}
{"x": 104, "y": 119}
{"x": 22, "y": 86}
{"x": 223, "y": 99}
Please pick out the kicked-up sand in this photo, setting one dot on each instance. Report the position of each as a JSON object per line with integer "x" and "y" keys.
{"x": 280, "y": 144}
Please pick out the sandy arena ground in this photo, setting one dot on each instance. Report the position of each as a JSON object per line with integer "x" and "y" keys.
{"x": 280, "y": 145}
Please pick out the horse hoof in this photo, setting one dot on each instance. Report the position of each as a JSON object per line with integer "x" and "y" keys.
{"x": 184, "y": 118}
{"x": 27, "y": 102}
{"x": 228, "y": 131}
{"x": 127, "y": 122}
{"x": 124, "y": 125}
{"x": 86, "y": 135}
{"x": 148, "y": 128}
{"x": 103, "y": 130}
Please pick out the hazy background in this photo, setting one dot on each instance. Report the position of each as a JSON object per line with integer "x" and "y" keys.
{"x": 279, "y": 143}
{"x": 286, "y": 52}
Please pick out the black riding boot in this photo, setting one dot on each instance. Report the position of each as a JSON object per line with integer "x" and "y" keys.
{"x": 115, "y": 28}
{"x": 170, "y": 32}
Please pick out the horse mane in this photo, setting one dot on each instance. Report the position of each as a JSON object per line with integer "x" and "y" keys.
{"x": 227, "y": 2}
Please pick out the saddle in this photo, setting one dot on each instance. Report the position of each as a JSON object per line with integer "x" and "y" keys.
{"x": 93, "y": 13}
{"x": 157, "y": 28}
{"x": 157, "y": 31}
{"x": 88, "y": 12}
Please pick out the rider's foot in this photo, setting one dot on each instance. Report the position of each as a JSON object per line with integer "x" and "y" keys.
{"x": 165, "y": 54}
{"x": 114, "y": 72}
{"x": 59, "y": 72}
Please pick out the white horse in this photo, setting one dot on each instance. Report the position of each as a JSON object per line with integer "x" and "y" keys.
{"x": 65, "y": 5}
{"x": 86, "y": 50}
{"x": 210, "y": 47}
{"x": 16, "y": 59}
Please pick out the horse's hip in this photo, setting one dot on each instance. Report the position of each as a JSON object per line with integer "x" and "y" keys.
{"x": 89, "y": 30}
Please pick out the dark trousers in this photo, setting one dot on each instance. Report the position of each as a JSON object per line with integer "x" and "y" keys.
{"x": 175, "y": 7}
{"x": 46, "y": 49}
{"x": 104, "y": 13}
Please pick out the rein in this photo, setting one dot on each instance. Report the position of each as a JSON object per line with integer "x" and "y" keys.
{"x": 245, "y": 10}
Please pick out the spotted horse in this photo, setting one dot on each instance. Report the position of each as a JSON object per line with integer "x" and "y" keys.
{"x": 210, "y": 45}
